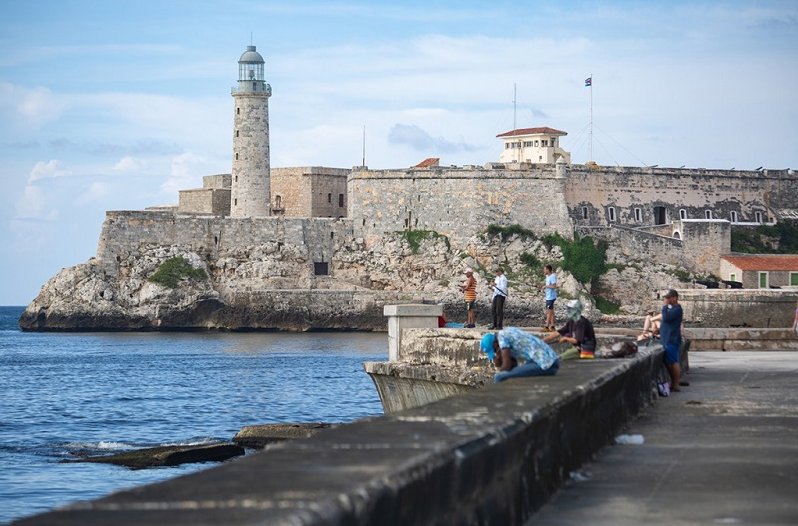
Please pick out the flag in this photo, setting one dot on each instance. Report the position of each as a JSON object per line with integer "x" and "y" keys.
{"x": 588, "y": 82}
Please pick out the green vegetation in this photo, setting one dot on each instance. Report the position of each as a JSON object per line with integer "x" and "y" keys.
{"x": 606, "y": 306}
{"x": 585, "y": 260}
{"x": 508, "y": 231}
{"x": 415, "y": 238}
{"x": 531, "y": 261}
{"x": 681, "y": 274}
{"x": 781, "y": 238}
{"x": 175, "y": 269}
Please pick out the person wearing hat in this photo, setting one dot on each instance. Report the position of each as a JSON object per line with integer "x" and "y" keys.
{"x": 577, "y": 331}
{"x": 469, "y": 289}
{"x": 670, "y": 335}
{"x": 508, "y": 347}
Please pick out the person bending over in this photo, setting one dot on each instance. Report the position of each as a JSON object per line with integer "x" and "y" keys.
{"x": 508, "y": 347}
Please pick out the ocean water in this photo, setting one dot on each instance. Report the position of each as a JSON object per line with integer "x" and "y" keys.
{"x": 69, "y": 394}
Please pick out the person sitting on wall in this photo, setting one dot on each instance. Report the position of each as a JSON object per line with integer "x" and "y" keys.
{"x": 650, "y": 327}
{"x": 577, "y": 331}
{"x": 511, "y": 345}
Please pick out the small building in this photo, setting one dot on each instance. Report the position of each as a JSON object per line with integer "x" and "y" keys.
{"x": 760, "y": 271}
{"x": 212, "y": 199}
{"x": 533, "y": 145}
{"x": 311, "y": 191}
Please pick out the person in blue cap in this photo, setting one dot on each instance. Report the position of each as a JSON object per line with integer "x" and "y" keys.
{"x": 508, "y": 347}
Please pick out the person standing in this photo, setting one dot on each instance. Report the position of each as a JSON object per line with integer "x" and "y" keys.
{"x": 506, "y": 347}
{"x": 670, "y": 333}
{"x": 499, "y": 296}
{"x": 795, "y": 321}
{"x": 469, "y": 289}
{"x": 550, "y": 293}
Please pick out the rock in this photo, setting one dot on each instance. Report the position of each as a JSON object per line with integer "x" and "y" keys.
{"x": 168, "y": 456}
{"x": 259, "y": 436}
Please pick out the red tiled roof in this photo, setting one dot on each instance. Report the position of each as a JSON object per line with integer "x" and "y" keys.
{"x": 764, "y": 262}
{"x": 426, "y": 163}
{"x": 530, "y": 131}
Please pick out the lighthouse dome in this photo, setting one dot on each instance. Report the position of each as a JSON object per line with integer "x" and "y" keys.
{"x": 251, "y": 56}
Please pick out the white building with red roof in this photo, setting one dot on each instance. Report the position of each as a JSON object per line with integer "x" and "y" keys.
{"x": 533, "y": 145}
{"x": 760, "y": 271}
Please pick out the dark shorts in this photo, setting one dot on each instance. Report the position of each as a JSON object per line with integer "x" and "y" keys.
{"x": 470, "y": 305}
{"x": 671, "y": 352}
{"x": 549, "y": 304}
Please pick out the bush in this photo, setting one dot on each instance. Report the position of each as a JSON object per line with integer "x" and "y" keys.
{"x": 585, "y": 260}
{"x": 531, "y": 261}
{"x": 509, "y": 231}
{"x": 173, "y": 270}
{"x": 414, "y": 238}
{"x": 606, "y": 306}
{"x": 781, "y": 238}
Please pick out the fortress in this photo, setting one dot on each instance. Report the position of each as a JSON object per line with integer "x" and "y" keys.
{"x": 320, "y": 247}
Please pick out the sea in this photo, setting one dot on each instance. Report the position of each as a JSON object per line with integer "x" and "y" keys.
{"x": 70, "y": 394}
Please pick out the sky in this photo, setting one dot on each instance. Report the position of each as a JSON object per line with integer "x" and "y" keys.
{"x": 117, "y": 105}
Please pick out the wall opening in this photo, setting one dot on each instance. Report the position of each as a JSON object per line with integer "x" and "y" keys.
{"x": 321, "y": 268}
{"x": 659, "y": 215}
{"x": 682, "y": 214}
{"x": 638, "y": 215}
{"x": 708, "y": 214}
{"x": 611, "y": 213}
{"x": 584, "y": 212}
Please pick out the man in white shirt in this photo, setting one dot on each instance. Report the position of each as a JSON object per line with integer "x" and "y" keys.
{"x": 499, "y": 295}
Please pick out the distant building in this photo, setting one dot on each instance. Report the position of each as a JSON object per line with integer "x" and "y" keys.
{"x": 760, "y": 271}
{"x": 533, "y": 145}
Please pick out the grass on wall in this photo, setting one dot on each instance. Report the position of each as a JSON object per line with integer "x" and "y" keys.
{"x": 415, "y": 238}
{"x": 175, "y": 269}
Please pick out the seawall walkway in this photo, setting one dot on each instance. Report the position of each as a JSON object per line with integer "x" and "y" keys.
{"x": 722, "y": 451}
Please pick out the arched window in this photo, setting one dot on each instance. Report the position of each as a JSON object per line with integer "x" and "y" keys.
{"x": 278, "y": 201}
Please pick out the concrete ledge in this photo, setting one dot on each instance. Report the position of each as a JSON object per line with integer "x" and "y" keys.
{"x": 491, "y": 456}
{"x": 742, "y": 339}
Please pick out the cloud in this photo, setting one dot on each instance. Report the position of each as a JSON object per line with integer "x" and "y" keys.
{"x": 142, "y": 147}
{"x": 47, "y": 170}
{"x": 96, "y": 191}
{"x": 34, "y": 204}
{"x": 129, "y": 164}
{"x": 29, "y": 107}
{"x": 186, "y": 172}
{"x": 418, "y": 139}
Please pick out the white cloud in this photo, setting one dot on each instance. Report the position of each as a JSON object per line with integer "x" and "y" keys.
{"x": 35, "y": 204}
{"x": 186, "y": 172}
{"x": 47, "y": 170}
{"x": 96, "y": 192}
{"x": 129, "y": 164}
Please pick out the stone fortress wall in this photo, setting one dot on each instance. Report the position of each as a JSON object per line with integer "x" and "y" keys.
{"x": 457, "y": 202}
{"x": 311, "y": 191}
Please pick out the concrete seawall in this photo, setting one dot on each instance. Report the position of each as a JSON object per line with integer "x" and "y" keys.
{"x": 491, "y": 456}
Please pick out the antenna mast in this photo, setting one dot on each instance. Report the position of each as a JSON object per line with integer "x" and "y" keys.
{"x": 514, "y": 104}
{"x": 591, "y": 116}
{"x": 363, "y": 163}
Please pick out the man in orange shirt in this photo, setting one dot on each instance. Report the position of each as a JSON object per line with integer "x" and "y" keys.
{"x": 469, "y": 289}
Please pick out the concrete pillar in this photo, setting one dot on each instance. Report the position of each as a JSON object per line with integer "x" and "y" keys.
{"x": 405, "y": 317}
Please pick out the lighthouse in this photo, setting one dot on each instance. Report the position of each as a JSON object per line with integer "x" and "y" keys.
{"x": 250, "y": 193}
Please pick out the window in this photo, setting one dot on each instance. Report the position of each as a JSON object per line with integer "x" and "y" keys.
{"x": 236, "y": 157}
{"x": 278, "y": 202}
{"x": 793, "y": 279}
{"x": 236, "y": 133}
{"x": 763, "y": 280}
{"x": 507, "y": 146}
{"x": 321, "y": 268}
{"x": 527, "y": 144}
{"x": 732, "y": 277}
{"x": 611, "y": 213}
{"x": 238, "y": 111}
{"x": 660, "y": 215}
{"x": 329, "y": 198}
{"x": 236, "y": 178}
{"x": 584, "y": 212}
{"x": 733, "y": 216}
{"x": 708, "y": 214}
{"x": 758, "y": 217}
{"x": 544, "y": 143}
{"x": 340, "y": 200}
{"x": 537, "y": 143}
{"x": 552, "y": 140}
{"x": 682, "y": 214}
{"x": 235, "y": 202}
{"x": 638, "y": 215}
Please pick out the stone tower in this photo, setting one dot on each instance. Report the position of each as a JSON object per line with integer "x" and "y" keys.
{"x": 250, "y": 194}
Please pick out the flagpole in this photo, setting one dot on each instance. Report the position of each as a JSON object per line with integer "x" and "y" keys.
{"x": 591, "y": 116}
